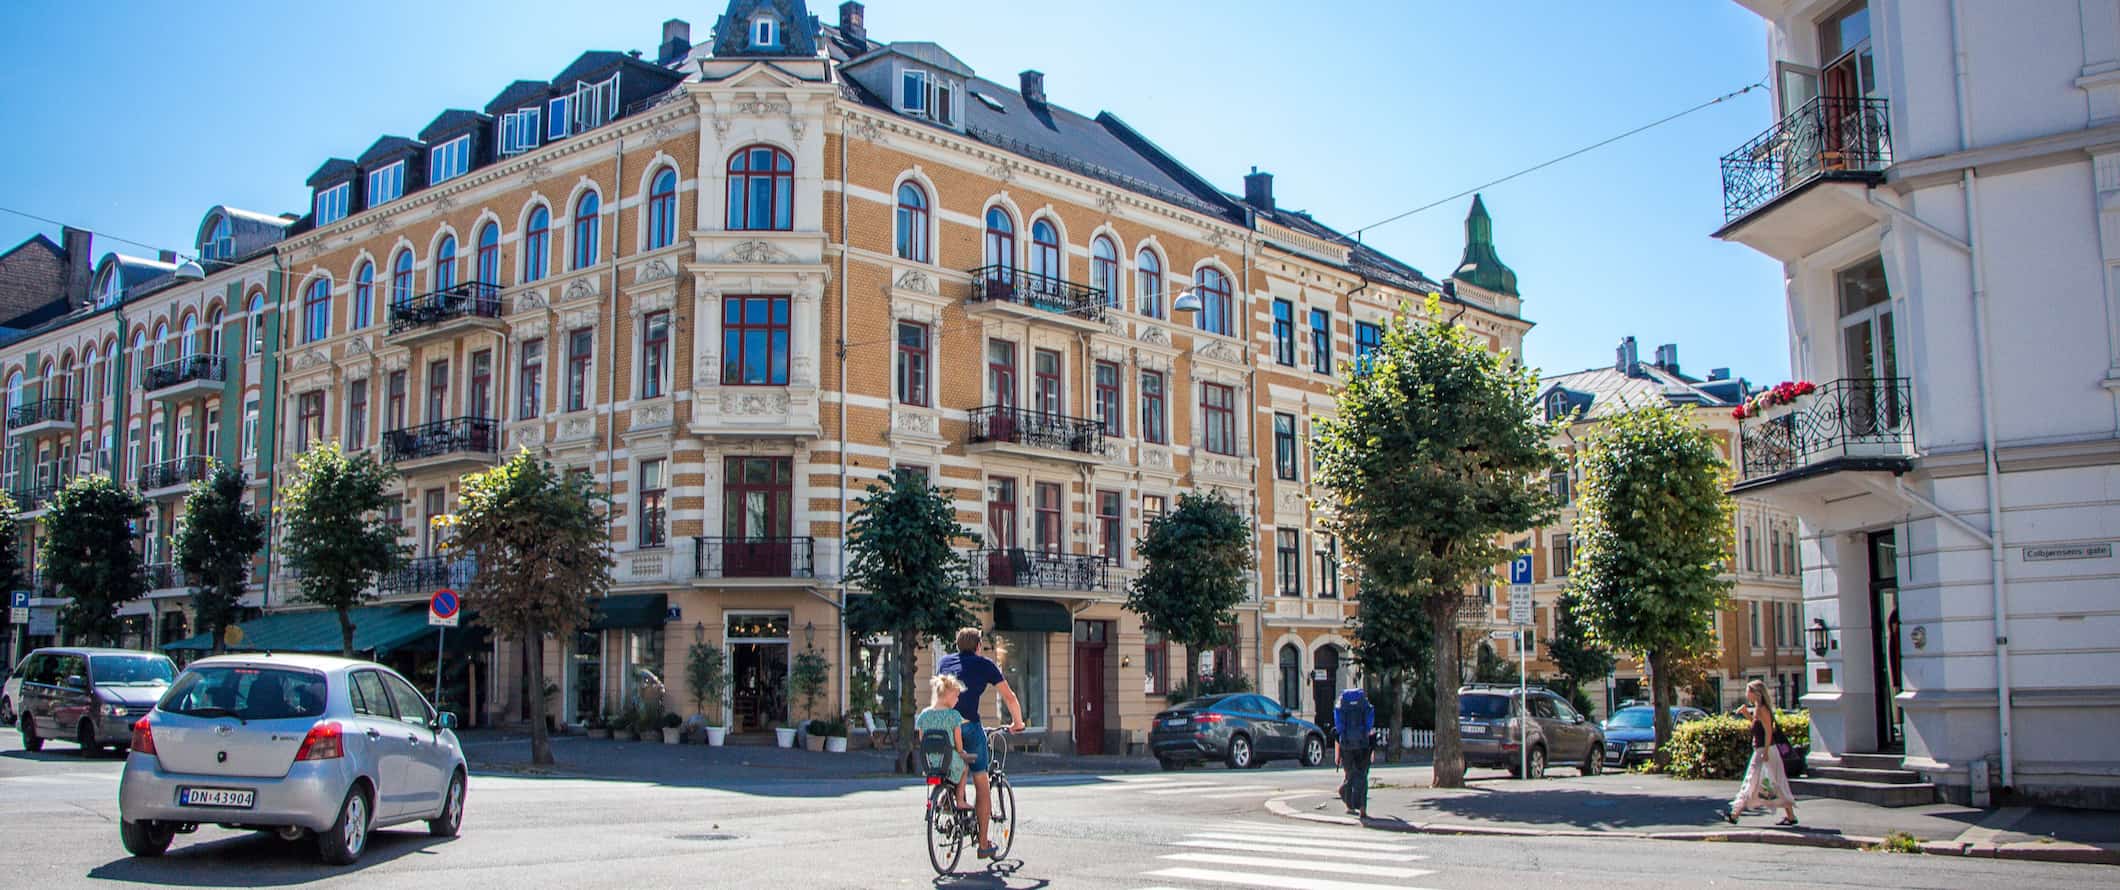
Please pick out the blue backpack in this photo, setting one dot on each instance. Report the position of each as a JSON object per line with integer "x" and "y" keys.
{"x": 1355, "y": 718}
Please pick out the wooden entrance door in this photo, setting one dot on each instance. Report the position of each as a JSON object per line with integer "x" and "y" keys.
{"x": 1090, "y": 642}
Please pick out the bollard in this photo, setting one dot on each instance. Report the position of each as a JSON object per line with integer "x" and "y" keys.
{"x": 1977, "y": 773}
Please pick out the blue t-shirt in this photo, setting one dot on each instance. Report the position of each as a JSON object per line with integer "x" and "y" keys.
{"x": 976, "y": 672}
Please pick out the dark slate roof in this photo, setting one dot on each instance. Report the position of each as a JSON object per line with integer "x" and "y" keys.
{"x": 798, "y": 32}
{"x": 586, "y": 64}
{"x": 1602, "y": 392}
{"x": 253, "y": 232}
{"x": 332, "y": 172}
{"x": 518, "y": 95}
{"x": 1369, "y": 261}
{"x": 389, "y": 148}
{"x": 453, "y": 122}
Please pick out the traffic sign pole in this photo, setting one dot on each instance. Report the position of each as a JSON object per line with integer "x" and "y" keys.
{"x": 443, "y": 611}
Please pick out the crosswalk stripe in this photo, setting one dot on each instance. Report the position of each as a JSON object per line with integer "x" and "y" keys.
{"x": 1292, "y": 828}
{"x": 1344, "y": 868}
{"x": 1303, "y": 841}
{"x": 1252, "y": 879}
{"x": 1196, "y": 789}
{"x": 1253, "y": 847}
{"x": 1237, "y": 794}
{"x": 1170, "y": 786}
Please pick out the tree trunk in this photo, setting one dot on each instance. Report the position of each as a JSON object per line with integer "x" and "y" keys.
{"x": 345, "y": 632}
{"x": 1449, "y": 753}
{"x": 1660, "y": 702}
{"x": 1393, "y": 752}
{"x": 534, "y": 648}
{"x": 907, "y": 660}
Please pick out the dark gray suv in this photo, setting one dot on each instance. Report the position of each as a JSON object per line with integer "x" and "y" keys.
{"x": 88, "y": 696}
{"x": 1491, "y": 723}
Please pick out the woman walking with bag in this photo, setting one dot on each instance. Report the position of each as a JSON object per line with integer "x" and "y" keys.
{"x": 1352, "y": 720}
{"x": 1767, "y": 748}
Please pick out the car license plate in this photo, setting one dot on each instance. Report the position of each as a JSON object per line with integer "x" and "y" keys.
{"x": 1174, "y": 721}
{"x": 233, "y": 798}
{"x": 1472, "y": 728}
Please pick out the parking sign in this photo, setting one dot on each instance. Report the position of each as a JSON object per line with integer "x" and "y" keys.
{"x": 1520, "y": 569}
{"x": 18, "y": 607}
{"x": 443, "y": 609}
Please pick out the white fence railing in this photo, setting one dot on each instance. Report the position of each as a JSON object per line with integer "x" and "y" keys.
{"x": 1417, "y": 739}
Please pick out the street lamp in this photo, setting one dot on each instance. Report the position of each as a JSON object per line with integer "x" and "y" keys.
{"x": 190, "y": 270}
{"x": 1187, "y": 300}
{"x": 1821, "y": 636}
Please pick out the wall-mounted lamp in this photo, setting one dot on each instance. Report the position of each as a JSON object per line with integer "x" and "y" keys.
{"x": 1821, "y": 636}
{"x": 699, "y": 633}
{"x": 809, "y": 634}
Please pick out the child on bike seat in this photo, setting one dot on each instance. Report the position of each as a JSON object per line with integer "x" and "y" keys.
{"x": 942, "y": 714}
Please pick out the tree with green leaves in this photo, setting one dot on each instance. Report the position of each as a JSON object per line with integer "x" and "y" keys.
{"x": 902, "y": 539}
{"x": 1195, "y": 560}
{"x": 1652, "y": 540}
{"x": 336, "y": 537}
{"x": 1431, "y": 457}
{"x": 544, "y": 557}
{"x": 216, "y": 543}
{"x": 88, "y": 555}
{"x": 1393, "y": 642}
{"x": 1580, "y": 659}
{"x": 10, "y": 557}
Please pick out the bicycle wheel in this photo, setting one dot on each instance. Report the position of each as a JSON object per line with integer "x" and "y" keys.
{"x": 1004, "y": 828}
{"x": 997, "y": 751}
{"x": 945, "y": 839}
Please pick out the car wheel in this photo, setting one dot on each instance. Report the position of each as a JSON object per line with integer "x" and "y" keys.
{"x": 1313, "y": 751}
{"x": 1169, "y": 765}
{"x": 343, "y": 842}
{"x": 86, "y": 738}
{"x": 146, "y": 839}
{"x": 1595, "y": 763}
{"x": 452, "y": 818}
{"x": 1239, "y": 752}
{"x": 30, "y": 740}
{"x": 1538, "y": 763}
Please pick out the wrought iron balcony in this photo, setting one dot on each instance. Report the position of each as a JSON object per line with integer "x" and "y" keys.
{"x": 1017, "y": 567}
{"x": 1852, "y": 423}
{"x": 1001, "y": 424}
{"x": 33, "y": 497}
{"x": 424, "y": 575}
{"x": 42, "y": 414}
{"x": 162, "y": 575}
{"x": 201, "y": 369}
{"x": 471, "y": 299}
{"x": 172, "y": 473}
{"x": 477, "y": 437}
{"x": 733, "y": 557}
{"x": 1830, "y": 137}
{"x": 1006, "y": 284}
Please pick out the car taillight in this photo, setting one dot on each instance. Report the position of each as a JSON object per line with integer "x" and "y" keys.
{"x": 322, "y": 743}
{"x": 1207, "y": 718}
{"x": 143, "y": 740}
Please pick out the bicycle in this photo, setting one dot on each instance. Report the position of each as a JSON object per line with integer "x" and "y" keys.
{"x": 949, "y": 826}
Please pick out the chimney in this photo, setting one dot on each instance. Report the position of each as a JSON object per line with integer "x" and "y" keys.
{"x": 1627, "y": 359}
{"x": 1667, "y": 357}
{"x": 853, "y": 25}
{"x": 1258, "y": 190}
{"x": 634, "y": 53}
{"x": 167, "y": 256}
{"x": 1718, "y": 374}
{"x": 80, "y": 261}
{"x": 1033, "y": 87}
{"x": 676, "y": 42}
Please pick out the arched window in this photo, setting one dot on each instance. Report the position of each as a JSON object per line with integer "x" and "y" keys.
{"x": 401, "y": 277}
{"x": 585, "y": 230}
{"x": 1045, "y": 250}
{"x": 912, "y": 223}
{"x": 111, "y": 287}
{"x": 256, "y": 317}
{"x": 1215, "y": 310}
{"x": 192, "y": 344}
{"x": 316, "y": 311}
{"x": 220, "y": 241}
{"x": 537, "y": 245}
{"x": 1148, "y": 283}
{"x": 213, "y": 331}
{"x": 63, "y": 385}
{"x": 1000, "y": 239}
{"x": 91, "y": 376}
{"x": 141, "y": 356}
{"x": 662, "y": 209}
{"x": 364, "y": 296}
{"x": 445, "y": 264}
{"x": 489, "y": 255}
{"x": 1291, "y": 666}
{"x": 761, "y": 189}
{"x": 1104, "y": 268}
{"x": 165, "y": 348}
{"x": 14, "y": 392}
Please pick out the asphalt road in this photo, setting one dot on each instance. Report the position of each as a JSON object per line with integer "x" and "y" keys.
{"x": 1196, "y": 829}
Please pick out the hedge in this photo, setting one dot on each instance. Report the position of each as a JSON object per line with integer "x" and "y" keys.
{"x": 1718, "y": 747}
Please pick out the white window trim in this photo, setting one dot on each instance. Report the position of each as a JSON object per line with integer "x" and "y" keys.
{"x": 391, "y": 174}
{"x": 521, "y": 130}
{"x": 449, "y": 160}
{"x": 911, "y": 75}
{"x": 765, "y": 32}
{"x": 334, "y": 199}
{"x": 559, "y": 113}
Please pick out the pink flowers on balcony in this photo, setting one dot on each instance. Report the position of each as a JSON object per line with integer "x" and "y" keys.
{"x": 1779, "y": 394}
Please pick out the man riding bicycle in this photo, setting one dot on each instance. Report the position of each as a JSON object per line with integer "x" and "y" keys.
{"x": 977, "y": 672}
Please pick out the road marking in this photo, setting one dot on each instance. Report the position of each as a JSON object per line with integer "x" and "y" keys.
{"x": 1251, "y": 847}
{"x": 1291, "y": 828}
{"x": 1238, "y": 794}
{"x": 1196, "y": 789}
{"x": 1166, "y": 786}
{"x": 1250, "y": 879}
{"x": 1318, "y": 842}
{"x": 1344, "y": 868}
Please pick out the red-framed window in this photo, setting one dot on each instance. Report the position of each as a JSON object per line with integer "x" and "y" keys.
{"x": 761, "y": 189}
{"x": 1217, "y": 316}
{"x": 662, "y": 209}
{"x": 530, "y": 380}
{"x": 1153, "y": 429}
{"x": 1045, "y": 250}
{"x": 758, "y": 496}
{"x": 537, "y": 245}
{"x": 1001, "y": 512}
{"x": 395, "y": 404}
{"x": 912, "y": 221}
{"x": 652, "y": 524}
{"x": 1000, "y": 238}
{"x": 1284, "y": 446}
{"x": 912, "y": 363}
{"x": 481, "y": 392}
{"x": 1045, "y": 381}
{"x": 1148, "y": 283}
{"x": 309, "y": 426}
{"x": 437, "y": 390}
{"x": 316, "y": 311}
{"x": 489, "y": 254}
{"x": 581, "y": 345}
{"x": 587, "y": 226}
{"x": 1111, "y": 537}
{"x": 754, "y": 340}
{"x": 356, "y": 414}
{"x": 1104, "y": 268}
{"x": 654, "y": 354}
{"x": 401, "y": 277}
{"x": 445, "y": 264}
{"x": 1110, "y": 401}
{"x": 1218, "y": 418}
{"x": 363, "y": 298}
{"x": 1046, "y": 523}
{"x": 1001, "y": 372}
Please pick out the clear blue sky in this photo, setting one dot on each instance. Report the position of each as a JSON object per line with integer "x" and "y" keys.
{"x": 133, "y": 118}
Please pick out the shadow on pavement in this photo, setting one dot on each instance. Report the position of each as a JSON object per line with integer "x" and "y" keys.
{"x": 1589, "y": 810}
{"x": 1000, "y": 875}
{"x": 258, "y": 860}
{"x": 68, "y": 754}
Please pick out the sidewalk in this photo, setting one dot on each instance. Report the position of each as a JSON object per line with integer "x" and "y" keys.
{"x": 1663, "y": 808}
{"x": 507, "y": 752}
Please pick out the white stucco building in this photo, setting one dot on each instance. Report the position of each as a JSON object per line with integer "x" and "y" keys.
{"x": 1942, "y": 187}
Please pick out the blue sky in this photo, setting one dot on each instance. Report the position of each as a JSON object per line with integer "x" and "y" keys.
{"x": 132, "y": 118}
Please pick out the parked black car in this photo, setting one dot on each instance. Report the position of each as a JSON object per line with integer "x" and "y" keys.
{"x": 1491, "y": 725}
{"x": 1241, "y": 729}
{"x": 1630, "y": 733}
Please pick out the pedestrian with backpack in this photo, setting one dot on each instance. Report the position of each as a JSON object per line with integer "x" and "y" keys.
{"x": 1352, "y": 721}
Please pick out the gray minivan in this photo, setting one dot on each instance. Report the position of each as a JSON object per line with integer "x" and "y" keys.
{"x": 91, "y": 696}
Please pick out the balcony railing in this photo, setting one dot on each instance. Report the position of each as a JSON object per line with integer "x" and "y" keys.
{"x": 1005, "y": 284}
{"x": 162, "y": 575}
{"x": 1017, "y": 567}
{"x": 185, "y": 370}
{"x": 1038, "y": 429}
{"x": 33, "y": 497}
{"x": 427, "y": 574}
{"x": 471, "y": 299}
{"x": 1829, "y": 137}
{"x": 728, "y": 557}
{"x": 42, "y": 411}
{"x": 1858, "y": 419}
{"x": 457, "y": 435}
{"x": 171, "y": 473}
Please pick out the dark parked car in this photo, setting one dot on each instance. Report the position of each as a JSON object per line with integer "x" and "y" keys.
{"x": 88, "y": 696}
{"x": 1630, "y": 733}
{"x": 1241, "y": 729}
{"x": 1491, "y": 724}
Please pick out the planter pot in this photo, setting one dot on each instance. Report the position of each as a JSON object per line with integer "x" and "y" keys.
{"x": 716, "y": 735}
{"x": 673, "y": 736}
{"x": 784, "y": 737}
{"x": 814, "y": 743}
{"x": 836, "y": 744}
{"x": 599, "y": 733}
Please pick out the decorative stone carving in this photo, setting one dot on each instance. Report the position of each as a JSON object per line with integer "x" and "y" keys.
{"x": 1107, "y": 203}
{"x": 530, "y": 434}
{"x": 664, "y": 132}
{"x": 578, "y": 318}
{"x": 574, "y": 428}
{"x": 721, "y": 127}
{"x": 916, "y": 280}
{"x": 650, "y": 416}
{"x": 916, "y": 422}
{"x": 397, "y": 361}
{"x": 1115, "y": 323}
{"x": 1155, "y": 335}
{"x": 536, "y": 171}
{"x": 1220, "y": 351}
{"x": 1292, "y": 501}
{"x": 312, "y": 358}
{"x": 357, "y": 346}
{"x": 756, "y": 252}
{"x": 866, "y": 129}
{"x": 1226, "y": 469}
{"x": 655, "y": 301}
{"x": 1001, "y": 171}
{"x": 445, "y": 202}
{"x": 529, "y": 330}
{"x": 911, "y": 310}
{"x": 649, "y": 568}
{"x": 1155, "y": 457}
{"x": 796, "y": 127}
{"x": 1217, "y": 238}
{"x": 380, "y": 227}
{"x": 761, "y": 106}
{"x": 530, "y": 300}
{"x": 578, "y": 289}
{"x": 655, "y": 270}
{"x": 754, "y": 404}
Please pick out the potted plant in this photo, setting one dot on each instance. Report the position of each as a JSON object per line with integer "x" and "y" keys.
{"x": 599, "y": 726}
{"x": 784, "y": 736}
{"x": 673, "y": 729}
{"x": 807, "y": 678}
{"x": 626, "y": 726}
{"x": 834, "y": 733}
{"x": 647, "y": 725}
{"x": 707, "y": 674}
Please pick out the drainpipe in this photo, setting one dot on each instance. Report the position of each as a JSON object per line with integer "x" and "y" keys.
{"x": 1999, "y": 586}
{"x": 271, "y": 474}
{"x": 1251, "y": 385}
{"x": 840, "y": 348}
{"x": 618, "y": 187}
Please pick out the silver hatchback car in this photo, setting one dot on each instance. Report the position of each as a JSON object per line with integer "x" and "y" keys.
{"x": 295, "y": 744}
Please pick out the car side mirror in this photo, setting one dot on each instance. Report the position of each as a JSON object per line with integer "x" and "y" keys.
{"x": 1286, "y": 713}
{"x": 445, "y": 720}
{"x": 76, "y": 681}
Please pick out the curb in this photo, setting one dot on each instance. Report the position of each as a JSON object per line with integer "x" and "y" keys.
{"x": 2085, "y": 854}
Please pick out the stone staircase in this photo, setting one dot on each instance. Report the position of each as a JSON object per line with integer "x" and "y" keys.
{"x": 1877, "y": 779}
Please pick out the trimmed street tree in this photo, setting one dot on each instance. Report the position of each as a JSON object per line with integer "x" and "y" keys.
{"x": 544, "y": 557}
{"x": 902, "y": 540}
{"x": 10, "y": 557}
{"x": 1432, "y": 457}
{"x": 216, "y": 543}
{"x": 1194, "y": 562}
{"x": 1579, "y": 658}
{"x": 1652, "y": 538}
{"x": 88, "y": 555}
{"x": 335, "y": 536}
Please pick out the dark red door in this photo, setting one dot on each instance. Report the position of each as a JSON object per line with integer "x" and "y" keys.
{"x": 1089, "y": 686}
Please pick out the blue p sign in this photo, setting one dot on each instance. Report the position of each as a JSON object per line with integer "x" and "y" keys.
{"x": 1520, "y": 570}
{"x": 19, "y": 599}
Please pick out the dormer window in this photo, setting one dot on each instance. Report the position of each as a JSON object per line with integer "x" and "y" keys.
{"x": 449, "y": 160}
{"x": 765, "y": 33}
{"x": 1556, "y": 405}
{"x": 595, "y": 104}
{"x": 331, "y": 203}
{"x": 922, "y": 95}
{"x": 109, "y": 288}
{"x": 220, "y": 242}
{"x": 386, "y": 183}
{"x": 519, "y": 130}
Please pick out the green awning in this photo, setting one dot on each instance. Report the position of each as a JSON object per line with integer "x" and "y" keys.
{"x": 630, "y": 610}
{"x": 379, "y": 630}
{"x": 1042, "y": 616}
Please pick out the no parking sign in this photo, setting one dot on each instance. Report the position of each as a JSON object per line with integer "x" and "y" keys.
{"x": 443, "y": 610}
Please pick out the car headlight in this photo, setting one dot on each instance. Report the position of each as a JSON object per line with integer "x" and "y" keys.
{"x": 111, "y": 710}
